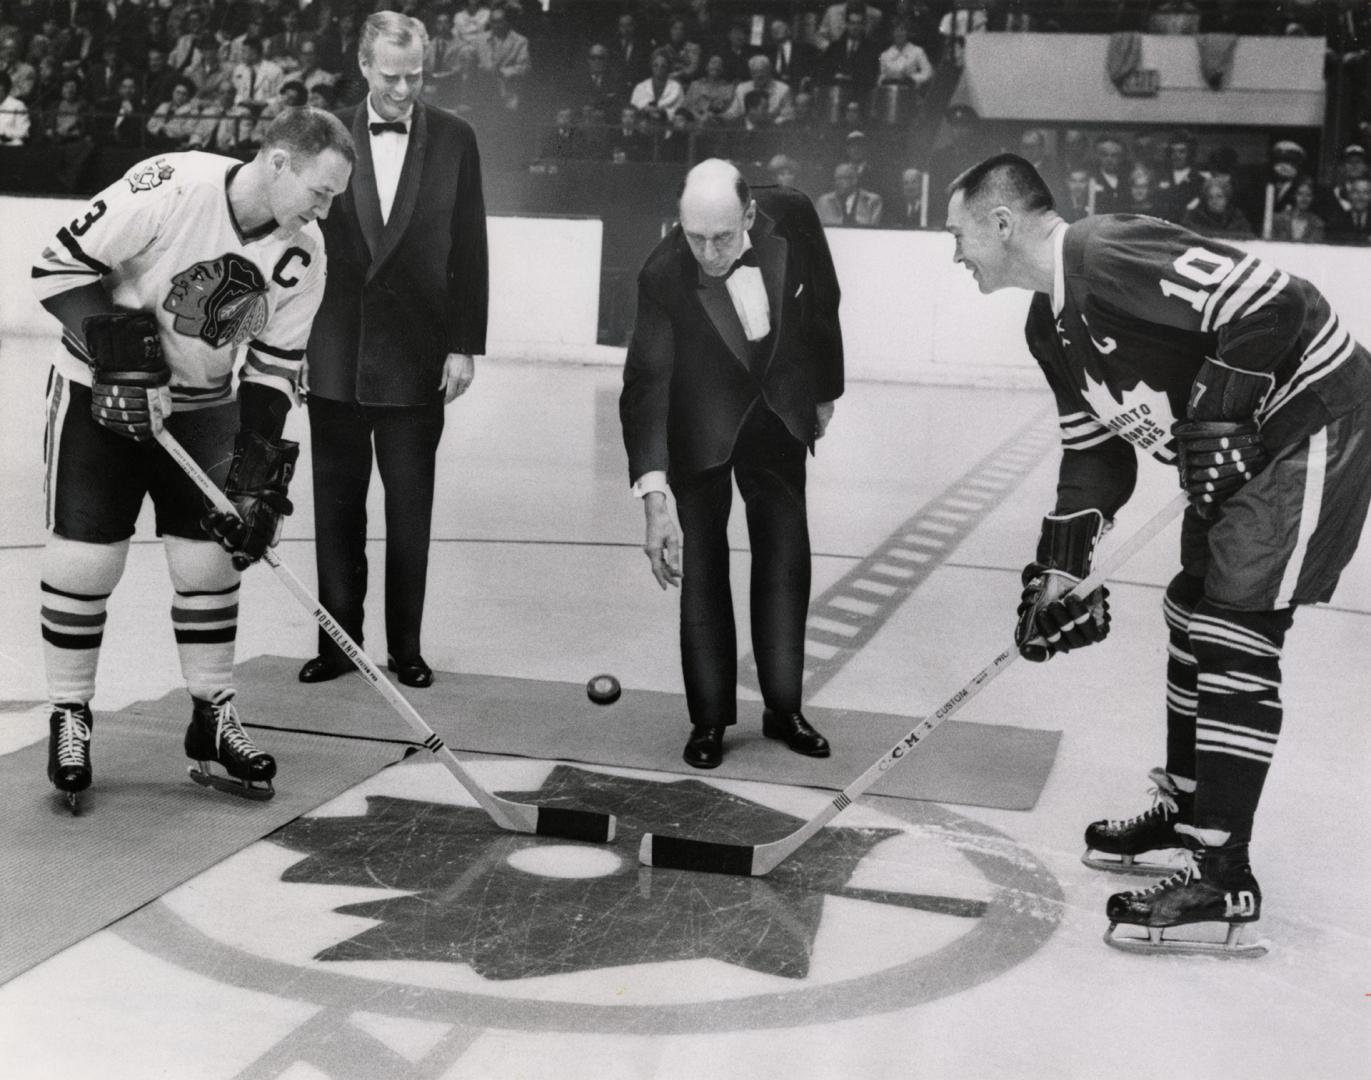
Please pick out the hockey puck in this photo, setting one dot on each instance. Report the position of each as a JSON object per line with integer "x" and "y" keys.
{"x": 603, "y": 689}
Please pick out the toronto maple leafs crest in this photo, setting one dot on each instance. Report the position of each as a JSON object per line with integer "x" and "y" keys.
{"x": 221, "y": 301}
{"x": 149, "y": 175}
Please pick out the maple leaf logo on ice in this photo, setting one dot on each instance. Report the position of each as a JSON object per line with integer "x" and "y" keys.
{"x": 1142, "y": 415}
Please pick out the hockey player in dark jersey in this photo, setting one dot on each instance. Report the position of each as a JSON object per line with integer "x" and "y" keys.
{"x": 162, "y": 283}
{"x": 1240, "y": 376}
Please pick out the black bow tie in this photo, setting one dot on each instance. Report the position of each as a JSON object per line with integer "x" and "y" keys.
{"x": 747, "y": 258}
{"x": 397, "y": 126}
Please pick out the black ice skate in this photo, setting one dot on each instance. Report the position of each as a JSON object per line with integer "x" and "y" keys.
{"x": 1151, "y": 831}
{"x": 1217, "y": 887}
{"x": 215, "y": 735}
{"x": 69, "y": 750}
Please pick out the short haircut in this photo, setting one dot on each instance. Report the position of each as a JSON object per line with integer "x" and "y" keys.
{"x": 306, "y": 133}
{"x": 1005, "y": 179}
{"x": 399, "y": 30}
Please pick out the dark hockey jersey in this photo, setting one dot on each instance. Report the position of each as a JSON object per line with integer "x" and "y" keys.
{"x": 1138, "y": 305}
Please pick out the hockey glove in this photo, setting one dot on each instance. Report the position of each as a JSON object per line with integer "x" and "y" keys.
{"x": 257, "y": 484}
{"x": 1049, "y": 620}
{"x": 1216, "y": 457}
{"x": 129, "y": 375}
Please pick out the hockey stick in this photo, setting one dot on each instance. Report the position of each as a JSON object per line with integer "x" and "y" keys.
{"x": 518, "y": 817}
{"x": 680, "y": 853}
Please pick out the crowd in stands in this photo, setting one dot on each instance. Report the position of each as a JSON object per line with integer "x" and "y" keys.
{"x": 826, "y": 96}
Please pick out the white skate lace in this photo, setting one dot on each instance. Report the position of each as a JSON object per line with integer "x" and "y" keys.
{"x": 229, "y": 730}
{"x": 72, "y": 735}
{"x": 1189, "y": 869}
{"x": 1162, "y": 802}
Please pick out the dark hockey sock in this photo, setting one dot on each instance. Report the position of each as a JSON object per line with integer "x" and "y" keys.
{"x": 1182, "y": 595}
{"x": 1239, "y": 718}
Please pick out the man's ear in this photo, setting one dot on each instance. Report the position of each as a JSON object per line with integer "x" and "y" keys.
{"x": 1003, "y": 220}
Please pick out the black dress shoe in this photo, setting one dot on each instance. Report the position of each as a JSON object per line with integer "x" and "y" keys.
{"x": 794, "y": 730}
{"x": 324, "y": 668}
{"x": 705, "y": 747}
{"x": 412, "y": 672}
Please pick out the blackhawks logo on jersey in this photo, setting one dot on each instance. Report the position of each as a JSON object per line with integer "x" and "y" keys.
{"x": 221, "y": 301}
{"x": 149, "y": 174}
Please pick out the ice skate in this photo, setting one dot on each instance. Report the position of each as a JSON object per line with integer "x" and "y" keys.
{"x": 69, "y": 751}
{"x": 1114, "y": 845}
{"x": 216, "y": 736}
{"x": 1216, "y": 886}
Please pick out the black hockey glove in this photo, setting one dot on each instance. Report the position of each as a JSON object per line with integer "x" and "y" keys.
{"x": 129, "y": 374}
{"x": 1049, "y": 620}
{"x": 1216, "y": 457}
{"x": 257, "y": 484}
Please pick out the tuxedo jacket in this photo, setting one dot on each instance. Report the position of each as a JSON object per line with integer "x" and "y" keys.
{"x": 691, "y": 376}
{"x": 402, "y": 295}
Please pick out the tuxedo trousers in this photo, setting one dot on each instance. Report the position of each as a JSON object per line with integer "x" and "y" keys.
{"x": 769, "y": 466}
{"x": 345, "y": 438}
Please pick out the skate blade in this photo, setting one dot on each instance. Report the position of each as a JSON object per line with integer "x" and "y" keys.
{"x": 70, "y": 801}
{"x": 1157, "y": 944}
{"x": 231, "y": 785}
{"x": 1116, "y": 865}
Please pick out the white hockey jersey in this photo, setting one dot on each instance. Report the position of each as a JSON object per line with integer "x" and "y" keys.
{"x": 164, "y": 240}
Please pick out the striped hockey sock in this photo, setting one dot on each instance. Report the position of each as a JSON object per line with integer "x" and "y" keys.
{"x": 77, "y": 579}
{"x": 204, "y": 614}
{"x": 1239, "y": 715}
{"x": 1178, "y": 606}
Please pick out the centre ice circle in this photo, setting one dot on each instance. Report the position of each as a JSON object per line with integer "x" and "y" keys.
{"x": 565, "y": 861}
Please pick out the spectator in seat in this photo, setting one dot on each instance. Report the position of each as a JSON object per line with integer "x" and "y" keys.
{"x": 628, "y": 142}
{"x": 673, "y": 147}
{"x": 908, "y": 213}
{"x": 1142, "y": 192}
{"x": 1077, "y": 202}
{"x": 308, "y": 70}
{"x": 794, "y": 63}
{"x": 256, "y": 79}
{"x": 1181, "y": 182}
{"x": 1217, "y": 215}
{"x": 225, "y": 126}
{"x": 629, "y": 55}
{"x": 784, "y": 170}
{"x": 503, "y": 55}
{"x": 14, "y": 115}
{"x": 711, "y": 96}
{"x": 847, "y": 203}
{"x": 904, "y": 62}
{"x": 775, "y": 94}
{"x": 1351, "y": 166}
{"x": 685, "y": 61}
{"x": 1033, "y": 149}
{"x": 853, "y": 60}
{"x": 564, "y": 142}
{"x": 323, "y": 96}
{"x": 1353, "y": 225}
{"x": 597, "y": 87}
{"x": 174, "y": 123}
{"x": 122, "y": 116}
{"x": 833, "y": 22}
{"x": 189, "y": 49}
{"x": 470, "y": 22}
{"x": 1298, "y": 222}
{"x": 658, "y": 95}
{"x": 736, "y": 53}
{"x": 1107, "y": 181}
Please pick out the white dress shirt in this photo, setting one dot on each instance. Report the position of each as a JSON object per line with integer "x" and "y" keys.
{"x": 388, "y": 158}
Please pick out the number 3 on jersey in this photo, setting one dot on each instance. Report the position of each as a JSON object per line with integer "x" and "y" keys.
{"x": 1205, "y": 269}
{"x": 81, "y": 226}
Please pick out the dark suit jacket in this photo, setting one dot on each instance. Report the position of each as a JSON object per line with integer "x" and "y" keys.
{"x": 400, "y": 297}
{"x": 690, "y": 379}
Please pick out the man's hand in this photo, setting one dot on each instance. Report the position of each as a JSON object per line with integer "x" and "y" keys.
{"x": 663, "y": 543}
{"x": 257, "y": 483}
{"x": 129, "y": 374}
{"x": 825, "y": 413}
{"x": 458, "y": 371}
{"x": 1050, "y": 621}
{"x": 1216, "y": 457}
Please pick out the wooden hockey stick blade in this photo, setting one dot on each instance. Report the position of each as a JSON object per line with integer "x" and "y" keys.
{"x": 568, "y": 824}
{"x": 682, "y": 853}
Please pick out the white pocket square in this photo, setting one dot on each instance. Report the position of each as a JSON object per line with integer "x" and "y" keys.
{"x": 800, "y": 289}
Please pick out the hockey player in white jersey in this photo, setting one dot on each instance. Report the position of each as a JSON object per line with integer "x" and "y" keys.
{"x": 163, "y": 282}
{"x": 1240, "y": 376}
